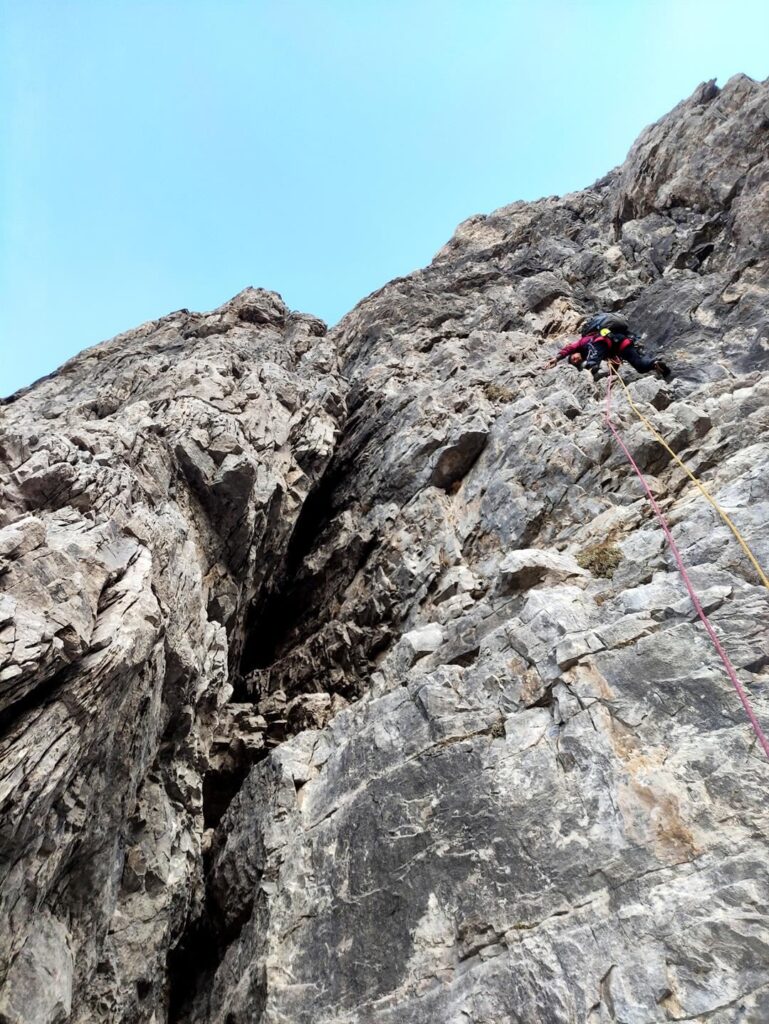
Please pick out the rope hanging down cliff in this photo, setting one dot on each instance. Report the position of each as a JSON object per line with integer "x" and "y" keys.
{"x": 730, "y": 671}
{"x": 697, "y": 483}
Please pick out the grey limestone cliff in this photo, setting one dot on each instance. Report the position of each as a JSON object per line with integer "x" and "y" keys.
{"x": 346, "y": 677}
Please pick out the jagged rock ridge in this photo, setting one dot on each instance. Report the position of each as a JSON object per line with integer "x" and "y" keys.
{"x": 319, "y": 700}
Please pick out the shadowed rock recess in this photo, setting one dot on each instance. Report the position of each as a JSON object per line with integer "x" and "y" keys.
{"x": 346, "y": 677}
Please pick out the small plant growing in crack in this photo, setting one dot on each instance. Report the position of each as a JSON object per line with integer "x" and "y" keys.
{"x": 600, "y": 559}
{"x": 497, "y": 392}
{"x": 498, "y": 729}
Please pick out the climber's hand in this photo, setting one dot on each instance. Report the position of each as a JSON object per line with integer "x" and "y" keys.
{"x": 551, "y": 363}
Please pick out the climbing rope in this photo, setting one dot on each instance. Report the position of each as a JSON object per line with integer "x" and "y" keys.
{"x": 697, "y": 483}
{"x": 685, "y": 576}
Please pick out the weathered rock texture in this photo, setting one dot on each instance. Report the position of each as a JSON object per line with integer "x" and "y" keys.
{"x": 346, "y": 678}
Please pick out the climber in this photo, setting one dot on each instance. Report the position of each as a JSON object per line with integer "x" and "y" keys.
{"x": 607, "y": 336}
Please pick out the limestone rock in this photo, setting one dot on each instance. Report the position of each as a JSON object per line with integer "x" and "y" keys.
{"x": 308, "y": 711}
{"x": 150, "y": 490}
{"x": 525, "y": 568}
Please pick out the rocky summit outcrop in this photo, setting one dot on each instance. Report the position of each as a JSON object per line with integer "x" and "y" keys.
{"x": 347, "y": 678}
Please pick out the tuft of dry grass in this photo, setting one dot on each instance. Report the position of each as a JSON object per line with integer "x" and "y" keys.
{"x": 600, "y": 559}
{"x": 497, "y": 392}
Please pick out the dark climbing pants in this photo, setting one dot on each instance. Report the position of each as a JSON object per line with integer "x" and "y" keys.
{"x": 597, "y": 351}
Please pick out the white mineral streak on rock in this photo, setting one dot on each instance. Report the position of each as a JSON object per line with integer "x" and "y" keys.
{"x": 318, "y": 704}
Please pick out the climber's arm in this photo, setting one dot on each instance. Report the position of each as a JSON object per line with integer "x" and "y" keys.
{"x": 567, "y": 350}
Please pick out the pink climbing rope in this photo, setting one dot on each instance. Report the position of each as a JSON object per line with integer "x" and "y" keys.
{"x": 685, "y": 576}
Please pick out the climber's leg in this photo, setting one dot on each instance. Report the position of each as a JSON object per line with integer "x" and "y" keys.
{"x": 644, "y": 364}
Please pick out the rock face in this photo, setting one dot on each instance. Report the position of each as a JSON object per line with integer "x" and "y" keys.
{"x": 346, "y": 677}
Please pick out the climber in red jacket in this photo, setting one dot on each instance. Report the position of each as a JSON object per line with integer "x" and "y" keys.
{"x": 606, "y": 336}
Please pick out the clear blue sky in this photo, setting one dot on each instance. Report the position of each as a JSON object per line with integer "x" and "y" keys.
{"x": 156, "y": 154}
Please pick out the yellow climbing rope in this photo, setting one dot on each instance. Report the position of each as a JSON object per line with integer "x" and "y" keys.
{"x": 698, "y": 483}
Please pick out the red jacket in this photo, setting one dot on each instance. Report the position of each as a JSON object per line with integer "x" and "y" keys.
{"x": 615, "y": 344}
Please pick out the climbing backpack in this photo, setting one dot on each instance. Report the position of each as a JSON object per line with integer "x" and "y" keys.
{"x": 610, "y": 322}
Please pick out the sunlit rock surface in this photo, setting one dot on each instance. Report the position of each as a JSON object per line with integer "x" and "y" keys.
{"x": 347, "y": 678}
